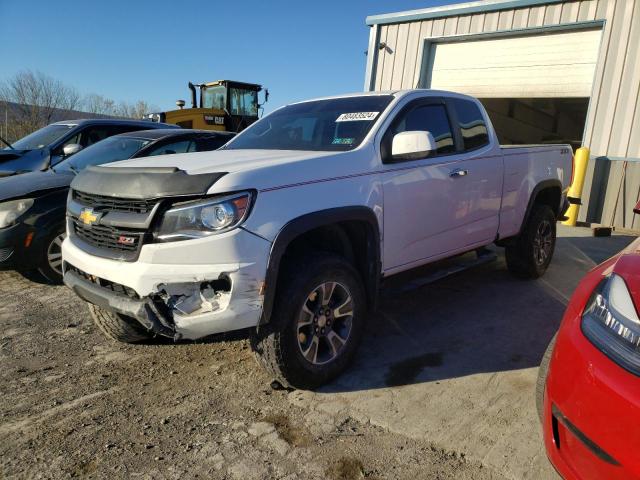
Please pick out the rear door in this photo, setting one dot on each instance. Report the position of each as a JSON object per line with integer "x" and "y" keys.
{"x": 477, "y": 177}
{"x": 445, "y": 203}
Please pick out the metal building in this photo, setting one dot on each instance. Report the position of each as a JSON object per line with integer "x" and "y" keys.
{"x": 546, "y": 70}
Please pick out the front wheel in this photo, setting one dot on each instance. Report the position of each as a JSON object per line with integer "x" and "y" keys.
{"x": 530, "y": 255}
{"x": 317, "y": 322}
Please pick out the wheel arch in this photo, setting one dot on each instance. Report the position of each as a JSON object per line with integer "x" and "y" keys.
{"x": 365, "y": 254}
{"x": 547, "y": 192}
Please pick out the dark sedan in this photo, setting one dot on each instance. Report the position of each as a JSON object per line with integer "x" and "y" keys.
{"x": 32, "y": 205}
{"x": 54, "y": 143}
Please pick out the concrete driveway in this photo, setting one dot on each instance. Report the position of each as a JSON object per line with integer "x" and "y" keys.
{"x": 455, "y": 362}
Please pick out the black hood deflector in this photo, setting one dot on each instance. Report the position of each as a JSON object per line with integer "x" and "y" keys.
{"x": 143, "y": 183}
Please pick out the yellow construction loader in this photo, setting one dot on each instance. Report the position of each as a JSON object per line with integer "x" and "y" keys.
{"x": 223, "y": 105}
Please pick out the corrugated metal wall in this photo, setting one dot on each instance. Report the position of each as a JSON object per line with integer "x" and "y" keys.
{"x": 613, "y": 123}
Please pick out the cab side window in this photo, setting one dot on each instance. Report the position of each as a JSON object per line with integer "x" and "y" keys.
{"x": 472, "y": 125}
{"x": 432, "y": 118}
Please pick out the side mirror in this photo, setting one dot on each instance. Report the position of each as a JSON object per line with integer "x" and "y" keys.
{"x": 71, "y": 149}
{"x": 412, "y": 145}
{"x": 636, "y": 210}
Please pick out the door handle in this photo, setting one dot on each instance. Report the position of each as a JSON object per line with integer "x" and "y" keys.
{"x": 458, "y": 172}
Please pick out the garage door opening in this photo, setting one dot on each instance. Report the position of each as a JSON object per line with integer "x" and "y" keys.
{"x": 536, "y": 87}
{"x": 521, "y": 121}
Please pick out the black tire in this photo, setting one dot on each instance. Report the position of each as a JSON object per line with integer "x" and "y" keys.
{"x": 541, "y": 382}
{"x": 50, "y": 268}
{"x": 524, "y": 257}
{"x": 118, "y": 327}
{"x": 278, "y": 344}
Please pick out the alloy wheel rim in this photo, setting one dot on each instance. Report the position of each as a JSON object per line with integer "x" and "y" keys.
{"x": 54, "y": 253}
{"x": 543, "y": 243}
{"x": 324, "y": 323}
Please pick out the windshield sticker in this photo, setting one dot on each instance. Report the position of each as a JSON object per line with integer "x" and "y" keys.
{"x": 357, "y": 117}
{"x": 343, "y": 141}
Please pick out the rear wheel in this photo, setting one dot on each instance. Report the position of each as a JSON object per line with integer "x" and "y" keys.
{"x": 543, "y": 372}
{"x": 317, "y": 322}
{"x": 51, "y": 265}
{"x": 530, "y": 255}
{"x": 118, "y": 327}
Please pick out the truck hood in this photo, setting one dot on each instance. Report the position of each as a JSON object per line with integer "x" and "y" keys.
{"x": 28, "y": 184}
{"x": 228, "y": 161}
{"x": 253, "y": 169}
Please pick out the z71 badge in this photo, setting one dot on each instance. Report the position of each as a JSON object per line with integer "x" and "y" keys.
{"x": 124, "y": 240}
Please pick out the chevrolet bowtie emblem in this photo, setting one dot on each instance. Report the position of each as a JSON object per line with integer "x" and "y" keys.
{"x": 87, "y": 216}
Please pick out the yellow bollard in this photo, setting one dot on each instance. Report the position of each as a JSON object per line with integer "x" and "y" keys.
{"x": 580, "y": 160}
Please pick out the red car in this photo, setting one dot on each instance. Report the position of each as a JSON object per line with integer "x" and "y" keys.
{"x": 588, "y": 391}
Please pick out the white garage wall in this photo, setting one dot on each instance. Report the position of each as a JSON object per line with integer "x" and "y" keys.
{"x": 532, "y": 66}
{"x": 613, "y": 123}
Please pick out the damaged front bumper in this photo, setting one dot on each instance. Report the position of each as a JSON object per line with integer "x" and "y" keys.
{"x": 143, "y": 310}
{"x": 175, "y": 297}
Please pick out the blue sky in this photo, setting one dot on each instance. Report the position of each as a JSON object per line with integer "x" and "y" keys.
{"x": 130, "y": 50}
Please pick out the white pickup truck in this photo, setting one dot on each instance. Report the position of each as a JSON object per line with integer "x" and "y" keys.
{"x": 290, "y": 228}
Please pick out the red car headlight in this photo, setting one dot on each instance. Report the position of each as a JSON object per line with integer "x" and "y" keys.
{"x": 610, "y": 321}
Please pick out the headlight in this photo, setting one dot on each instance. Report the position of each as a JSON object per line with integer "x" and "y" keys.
{"x": 611, "y": 322}
{"x": 205, "y": 217}
{"x": 11, "y": 211}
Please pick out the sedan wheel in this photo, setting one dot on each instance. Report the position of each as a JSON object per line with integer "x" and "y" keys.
{"x": 54, "y": 253}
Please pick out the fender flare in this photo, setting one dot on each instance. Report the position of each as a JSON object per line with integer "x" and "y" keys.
{"x": 543, "y": 185}
{"x": 305, "y": 223}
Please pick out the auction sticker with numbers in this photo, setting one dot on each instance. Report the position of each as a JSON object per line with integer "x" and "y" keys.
{"x": 357, "y": 116}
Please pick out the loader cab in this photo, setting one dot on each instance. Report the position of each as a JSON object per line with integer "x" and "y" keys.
{"x": 222, "y": 105}
{"x": 238, "y": 101}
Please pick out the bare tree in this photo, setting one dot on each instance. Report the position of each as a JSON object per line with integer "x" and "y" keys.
{"x": 134, "y": 110}
{"x": 97, "y": 104}
{"x": 30, "y": 100}
{"x": 35, "y": 98}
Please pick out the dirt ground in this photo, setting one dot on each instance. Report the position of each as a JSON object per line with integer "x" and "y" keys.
{"x": 77, "y": 405}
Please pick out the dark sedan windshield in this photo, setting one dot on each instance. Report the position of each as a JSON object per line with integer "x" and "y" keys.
{"x": 43, "y": 137}
{"x": 109, "y": 150}
{"x": 336, "y": 124}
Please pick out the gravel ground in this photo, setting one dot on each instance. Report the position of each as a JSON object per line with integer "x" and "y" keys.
{"x": 77, "y": 405}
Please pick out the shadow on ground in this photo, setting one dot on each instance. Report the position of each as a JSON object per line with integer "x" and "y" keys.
{"x": 477, "y": 321}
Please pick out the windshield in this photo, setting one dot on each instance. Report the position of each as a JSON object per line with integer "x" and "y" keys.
{"x": 243, "y": 102}
{"x": 336, "y": 124}
{"x": 108, "y": 150}
{"x": 215, "y": 97}
{"x": 43, "y": 137}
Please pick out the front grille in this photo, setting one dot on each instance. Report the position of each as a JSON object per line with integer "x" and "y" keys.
{"x": 101, "y": 282}
{"x": 101, "y": 202}
{"x": 115, "y": 240}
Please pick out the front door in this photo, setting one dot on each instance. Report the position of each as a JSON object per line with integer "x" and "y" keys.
{"x": 439, "y": 205}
